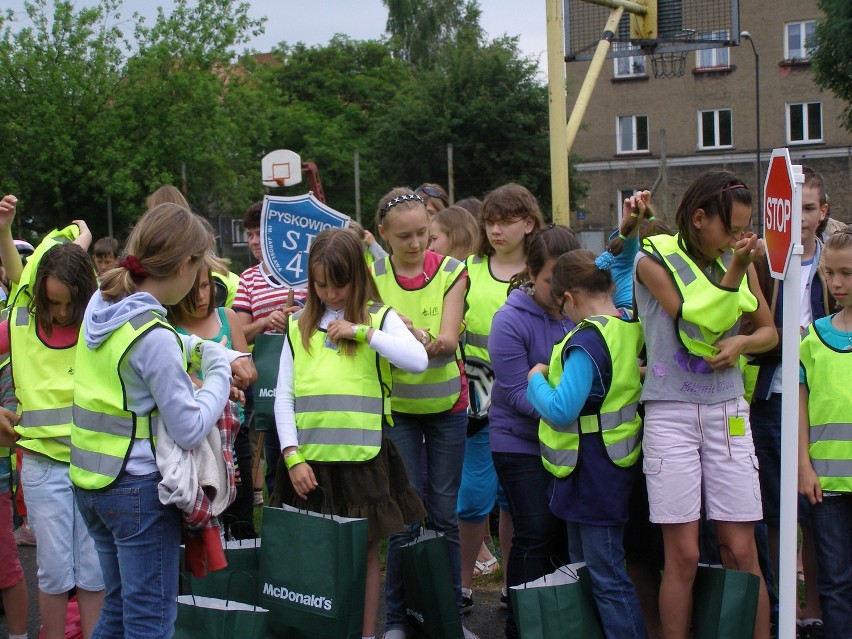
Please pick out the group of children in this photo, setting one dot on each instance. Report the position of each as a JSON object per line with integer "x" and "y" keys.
{"x": 506, "y": 364}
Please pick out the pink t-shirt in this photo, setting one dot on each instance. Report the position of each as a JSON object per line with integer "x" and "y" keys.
{"x": 431, "y": 263}
{"x": 60, "y": 337}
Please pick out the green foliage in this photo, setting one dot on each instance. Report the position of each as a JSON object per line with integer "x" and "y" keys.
{"x": 832, "y": 58}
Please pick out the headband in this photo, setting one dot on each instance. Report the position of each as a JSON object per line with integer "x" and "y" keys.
{"x": 399, "y": 200}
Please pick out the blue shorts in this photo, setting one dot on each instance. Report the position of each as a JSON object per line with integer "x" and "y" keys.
{"x": 479, "y": 486}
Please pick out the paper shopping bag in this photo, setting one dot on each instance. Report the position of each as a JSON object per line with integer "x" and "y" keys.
{"x": 267, "y": 356}
{"x": 557, "y": 605}
{"x": 724, "y": 603}
{"x": 243, "y": 557}
{"x": 430, "y": 598}
{"x": 312, "y": 573}
{"x": 212, "y": 618}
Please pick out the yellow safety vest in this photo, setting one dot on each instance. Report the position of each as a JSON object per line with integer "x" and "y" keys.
{"x": 438, "y": 388}
{"x": 485, "y": 295}
{"x": 617, "y": 421}
{"x": 104, "y": 428}
{"x": 229, "y": 282}
{"x": 341, "y": 401}
{"x": 21, "y": 292}
{"x": 707, "y": 310}
{"x": 44, "y": 385}
{"x": 829, "y": 399}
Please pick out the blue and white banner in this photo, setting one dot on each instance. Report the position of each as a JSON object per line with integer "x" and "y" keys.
{"x": 288, "y": 226}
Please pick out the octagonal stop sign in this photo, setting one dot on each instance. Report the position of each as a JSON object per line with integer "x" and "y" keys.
{"x": 778, "y": 212}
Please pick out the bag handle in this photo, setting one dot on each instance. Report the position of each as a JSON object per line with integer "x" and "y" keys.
{"x": 228, "y": 586}
{"x": 323, "y": 506}
{"x": 187, "y": 585}
{"x": 730, "y": 554}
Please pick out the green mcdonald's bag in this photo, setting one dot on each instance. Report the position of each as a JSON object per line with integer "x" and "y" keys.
{"x": 724, "y": 603}
{"x": 267, "y": 356}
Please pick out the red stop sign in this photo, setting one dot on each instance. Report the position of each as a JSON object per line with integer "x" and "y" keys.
{"x": 778, "y": 212}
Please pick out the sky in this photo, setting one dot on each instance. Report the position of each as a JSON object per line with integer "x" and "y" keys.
{"x": 314, "y": 22}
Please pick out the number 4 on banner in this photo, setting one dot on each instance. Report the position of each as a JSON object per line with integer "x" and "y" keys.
{"x": 294, "y": 266}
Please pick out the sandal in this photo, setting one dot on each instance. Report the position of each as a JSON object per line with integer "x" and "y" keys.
{"x": 485, "y": 567}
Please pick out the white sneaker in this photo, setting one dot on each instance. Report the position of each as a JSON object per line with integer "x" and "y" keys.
{"x": 468, "y": 634}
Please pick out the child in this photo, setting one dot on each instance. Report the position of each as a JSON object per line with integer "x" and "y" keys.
{"x": 342, "y": 344}
{"x": 434, "y": 196}
{"x": 455, "y": 232}
{"x": 428, "y": 291}
{"x": 131, "y": 366}
{"x": 510, "y": 219}
{"x": 691, "y": 289}
{"x": 198, "y": 314}
{"x": 106, "y": 252}
{"x": 590, "y": 430}
{"x": 825, "y": 439}
{"x": 43, "y": 326}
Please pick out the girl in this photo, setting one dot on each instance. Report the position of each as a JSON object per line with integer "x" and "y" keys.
{"x": 43, "y": 326}
{"x": 428, "y": 291}
{"x": 343, "y": 344}
{"x": 434, "y": 196}
{"x": 198, "y": 314}
{"x": 131, "y": 366}
{"x": 691, "y": 289}
{"x": 510, "y": 220}
{"x": 824, "y": 439}
{"x": 590, "y": 430}
{"x": 455, "y": 232}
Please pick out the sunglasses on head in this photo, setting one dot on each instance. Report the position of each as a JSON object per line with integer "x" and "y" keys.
{"x": 431, "y": 191}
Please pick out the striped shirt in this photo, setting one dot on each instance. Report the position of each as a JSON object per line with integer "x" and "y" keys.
{"x": 259, "y": 293}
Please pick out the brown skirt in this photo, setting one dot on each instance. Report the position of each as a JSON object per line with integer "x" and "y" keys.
{"x": 377, "y": 489}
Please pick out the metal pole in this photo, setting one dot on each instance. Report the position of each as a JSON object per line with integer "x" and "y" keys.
{"x": 558, "y": 111}
{"x": 357, "y": 187}
{"x": 759, "y": 188}
{"x": 451, "y": 177}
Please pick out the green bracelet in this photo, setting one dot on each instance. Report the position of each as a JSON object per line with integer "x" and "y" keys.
{"x": 651, "y": 219}
{"x": 622, "y": 236}
{"x": 291, "y": 459}
{"x": 361, "y": 331}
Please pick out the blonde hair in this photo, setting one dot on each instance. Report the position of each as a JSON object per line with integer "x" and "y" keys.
{"x": 181, "y": 311}
{"x": 166, "y": 194}
{"x": 161, "y": 240}
{"x": 461, "y": 230}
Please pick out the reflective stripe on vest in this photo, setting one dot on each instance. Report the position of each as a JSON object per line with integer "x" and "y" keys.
{"x": 617, "y": 421}
{"x": 829, "y": 399}
{"x": 43, "y": 377}
{"x": 438, "y": 388}
{"x": 341, "y": 401}
{"x": 104, "y": 429}
{"x": 485, "y": 295}
{"x": 707, "y": 310}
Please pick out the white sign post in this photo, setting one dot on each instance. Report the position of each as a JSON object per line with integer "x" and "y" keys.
{"x": 782, "y": 216}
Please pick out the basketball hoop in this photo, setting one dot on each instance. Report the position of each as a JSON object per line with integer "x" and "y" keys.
{"x": 672, "y": 64}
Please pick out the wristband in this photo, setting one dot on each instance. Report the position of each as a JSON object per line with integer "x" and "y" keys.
{"x": 425, "y": 338}
{"x": 361, "y": 331}
{"x": 292, "y": 458}
{"x": 634, "y": 215}
{"x": 651, "y": 219}
{"x": 622, "y": 236}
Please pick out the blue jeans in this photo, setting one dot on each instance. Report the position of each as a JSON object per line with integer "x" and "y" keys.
{"x": 444, "y": 435}
{"x": 138, "y": 543}
{"x": 539, "y": 539}
{"x": 602, "y": 548}
{"x": 831, "y": 522}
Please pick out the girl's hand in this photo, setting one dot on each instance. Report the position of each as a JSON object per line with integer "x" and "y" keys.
{"x": 277, "y": 320}
{"x": 809, "y": 483}
{"x": 434, "y": 347}
{"x": 302, "y": 477}
{"x": 8, "y": 421}
{"x": 84, "y": 240}
{"x": 243, "y": 372}
{"x": 731, "y": 348}
{"x": 408, "y": 324}
{"x": 749, "y": 249}
{"x": 369, "y": 238}
{"x": 7, "y": 211}
{"x": 340, "y": 329}
{"x": 237, "y": 395}
{"x": 637, "y": 203}
{"x": 544, "y": 369}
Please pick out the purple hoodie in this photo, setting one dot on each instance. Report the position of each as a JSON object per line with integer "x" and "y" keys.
{"x": 522, "y": 335}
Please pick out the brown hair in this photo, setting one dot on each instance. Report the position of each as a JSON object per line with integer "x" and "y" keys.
{"x": 715, "y": 192}
{"x": 577, "y": 271}
{"x": 815, "y": 181}
{"x": 251, "y": 218}
{"x": 504, "y": 203}
{"x": 338, "y": 252}
{"x": 106, "y": 246}
{"x": 69, "y": 264}
{"x": 181, "y": 311}
{"x": 460, "y": 228}
{"x": 435, "y": 194}
{"x": 162, "y": 238}
{"x": 166, "y": 194}
{"x": 473, "y": 205}
{"x": 548, "y": 244}
{"x": 400, "y": 198}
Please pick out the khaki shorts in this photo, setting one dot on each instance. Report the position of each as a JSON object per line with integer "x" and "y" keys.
{"x": 689, "y": 447}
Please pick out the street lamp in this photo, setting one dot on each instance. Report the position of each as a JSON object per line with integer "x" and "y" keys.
{"x": 747, "y": 36}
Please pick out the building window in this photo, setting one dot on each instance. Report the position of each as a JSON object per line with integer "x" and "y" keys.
{"x": 238, "y": 233}
{"x": 632, "y": 133}
{"x": 628, "y": 66}
{"x": 713, "y": 58}
{"x": 799, "y": 40}
{"x": 804, "y": 122}
{"x": 714, "y": 129}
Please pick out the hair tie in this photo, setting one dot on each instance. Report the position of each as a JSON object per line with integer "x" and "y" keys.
{"x": 604, "y": 261}
{"x": 133, "y": 266}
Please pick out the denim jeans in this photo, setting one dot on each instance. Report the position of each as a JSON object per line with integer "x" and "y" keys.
{"x": 443, "y": 436}
{"x": 138, "y": 542}
{"x": 602, "y": 548}
{"x": 539, "y": 540}
{"x": 831, "y": 523}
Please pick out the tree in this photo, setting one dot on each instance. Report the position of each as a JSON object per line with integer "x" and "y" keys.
{"x": 832, "y": 57}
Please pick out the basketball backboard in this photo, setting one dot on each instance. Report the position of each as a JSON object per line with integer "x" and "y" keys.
{"x": 281, "y": 168}
{"x": 682, "y": 25}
